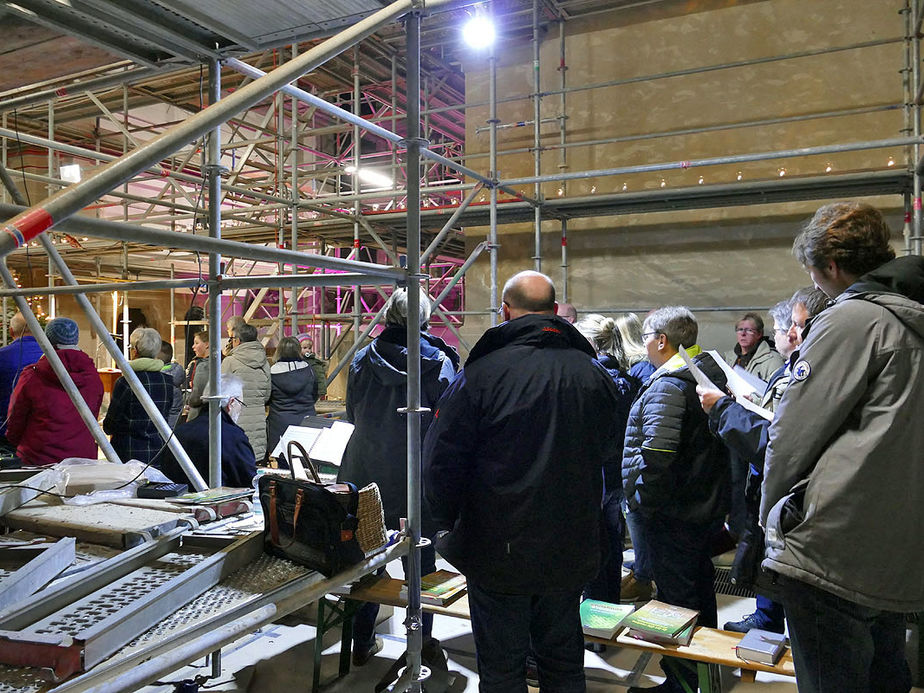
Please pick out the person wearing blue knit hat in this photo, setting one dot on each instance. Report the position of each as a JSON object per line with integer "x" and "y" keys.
{"x": 43, "y": 422}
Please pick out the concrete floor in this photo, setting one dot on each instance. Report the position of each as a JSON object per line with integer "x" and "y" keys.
{"x": 280, "y": 658}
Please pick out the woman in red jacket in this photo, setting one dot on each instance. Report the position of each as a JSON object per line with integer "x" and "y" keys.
{"x": 43, "y": 423}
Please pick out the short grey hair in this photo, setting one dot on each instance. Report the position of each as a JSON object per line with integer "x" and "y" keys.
{"x": 231, "y": 387}
{"x": 605, "y": 337}
{"x": 676, "y": 323}
{"x": 146, "y": 341}
{"x": 781, "y": 313}
{"x": 396, "y": 308}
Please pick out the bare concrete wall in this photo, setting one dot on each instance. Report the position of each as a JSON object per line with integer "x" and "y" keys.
{"x": 724, "y": 257}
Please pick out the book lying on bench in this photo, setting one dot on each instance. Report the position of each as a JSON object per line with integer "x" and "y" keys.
{"x": 682, "y": 638}
{"x": 439, "y": 589}
{"x": 662, "y": 623}
{"x": 603, "y": 619}
{"x": 761, "y": 646}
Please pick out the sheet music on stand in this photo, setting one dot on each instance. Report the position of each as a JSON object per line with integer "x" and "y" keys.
{"x": 325, "y": 440}
{"x": 736, "y": 384}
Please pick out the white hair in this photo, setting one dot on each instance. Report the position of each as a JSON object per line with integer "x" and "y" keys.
{"x": 146, "y": 341}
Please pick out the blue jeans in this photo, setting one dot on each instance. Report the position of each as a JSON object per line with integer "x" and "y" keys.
{"x": 841, "y": 647}
{"x": 682, "y": 567}
{"x": 641, "y": 565}
{"x": 504, "y": 625}
{"x": 364, "y": 618}
{"x": 607, "y": 585}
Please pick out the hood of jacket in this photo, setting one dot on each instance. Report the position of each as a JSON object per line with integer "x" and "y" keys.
{"x": 387, "y": 355}
{"x": 292, "y": 377}
{"x": 903, "y": 275}
{"x": 250, "y": 354}
{"x": 898, "y": 287}
{"x": 145, "y": 364}
{"x": 78, "y": 365}
{"x": 536, "y": 330}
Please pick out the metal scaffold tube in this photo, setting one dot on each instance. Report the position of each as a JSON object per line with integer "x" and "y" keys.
{"x": 717, "y": 160}
{"x": 537, "y": 142}
{"x": 214, "y": 178}
{"x": 120, "y": 231}
{"x": 72, "y": 199}
{"x": 414, "y": 145}
{"x": 492, "y": 229}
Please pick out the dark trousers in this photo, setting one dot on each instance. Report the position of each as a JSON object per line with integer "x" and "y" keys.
{"x": 738, "y": 511}
{"x": 841, "y": 647}
{"x": 606, "y": 586}
{"x": 770, "y": 614}
{"x": 504, "y": 626}
{"x": 682, "y": 567}
{"x": 364, "y": 619}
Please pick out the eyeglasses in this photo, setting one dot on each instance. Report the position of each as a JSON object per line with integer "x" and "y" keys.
{"x": 649, "y": 334}
{"x": 746, "y": 330}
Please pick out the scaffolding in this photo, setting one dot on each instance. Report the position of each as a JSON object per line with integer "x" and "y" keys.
{"x": 283, "y": 189}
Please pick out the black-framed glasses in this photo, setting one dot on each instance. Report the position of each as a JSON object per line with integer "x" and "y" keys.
{"x": 238, "y": 400}
{"x": 649, "y": 334}
{"x": 746, "y": 330}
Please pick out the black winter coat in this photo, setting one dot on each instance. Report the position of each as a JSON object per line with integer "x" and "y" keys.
{"x": 238, "y": 464}
{"x": 672, "y": 463}
{"x": 513, "y": 462}
{"x": 293, "y": 392}
{"x": 376, "y": 389}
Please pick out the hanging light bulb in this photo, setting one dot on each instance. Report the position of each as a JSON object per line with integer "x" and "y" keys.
{"x": 740, "y": 175}
{"x": 663, "y": 183}
{"x": 701, "y": 180}
{"x": 828, "y": 168}
{"x": 625, "y": 186}
{"x": 593, "y": 189}
{"x": 561, "y": 191}
{"x": 890, "y": 162}
{"x": 782, "y": 172}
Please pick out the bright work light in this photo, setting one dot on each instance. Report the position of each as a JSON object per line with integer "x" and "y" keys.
{"x": 478, "y": 31}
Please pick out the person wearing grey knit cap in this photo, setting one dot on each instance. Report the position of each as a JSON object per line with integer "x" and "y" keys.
{"x": 43, "y": 423}
{"x": 63, "y": 333}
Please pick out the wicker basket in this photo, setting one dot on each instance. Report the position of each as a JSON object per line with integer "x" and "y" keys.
{"x": 370, "y": 532}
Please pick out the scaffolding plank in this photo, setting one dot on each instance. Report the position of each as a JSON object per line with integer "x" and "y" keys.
{"x": 41, "y": 565}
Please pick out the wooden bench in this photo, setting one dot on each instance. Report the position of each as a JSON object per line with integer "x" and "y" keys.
{"x": 709, "y": 647}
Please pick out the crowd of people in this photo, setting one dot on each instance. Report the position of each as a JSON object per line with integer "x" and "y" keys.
{"x": 563, "y": 433}
{"x": 259, "y": 400}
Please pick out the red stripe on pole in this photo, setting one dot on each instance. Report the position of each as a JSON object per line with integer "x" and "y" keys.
{"x": 355, "y": 242}
{"x": 30, "y": 225}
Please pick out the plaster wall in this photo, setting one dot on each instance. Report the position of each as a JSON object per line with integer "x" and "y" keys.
{"x": 846, "y": 55}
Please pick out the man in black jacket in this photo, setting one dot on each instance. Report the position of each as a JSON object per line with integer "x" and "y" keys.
{"x": 513, "y": 468}
{"x": 675, "y": 472}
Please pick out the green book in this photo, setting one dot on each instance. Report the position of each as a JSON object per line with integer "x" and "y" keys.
{"x": 603, "y": 619}
{"x": 682, "y": 638}
{"x": 439, "y": 588}
{"x": 661, "y": 620}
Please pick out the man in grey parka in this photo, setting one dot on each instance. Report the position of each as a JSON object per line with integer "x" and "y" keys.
{"x": 843, "y": 490}
{"x": 247, "y": 360}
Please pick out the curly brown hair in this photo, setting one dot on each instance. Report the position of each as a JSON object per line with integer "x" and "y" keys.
{"x": 852, "y": 234}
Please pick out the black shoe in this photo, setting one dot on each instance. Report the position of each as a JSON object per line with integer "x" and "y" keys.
{"x": 364, "y": 654}
{"x": 752, "y": 621}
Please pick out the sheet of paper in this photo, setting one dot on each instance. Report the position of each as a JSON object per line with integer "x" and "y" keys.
{"x": 701, "y": 378}
{"x": 738, "y": 386}
{"x": 331, "y": 444}
{"x": 300, "y": 434}
{"x": 759, "y": 384}
{"x": 741, "y": 388}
